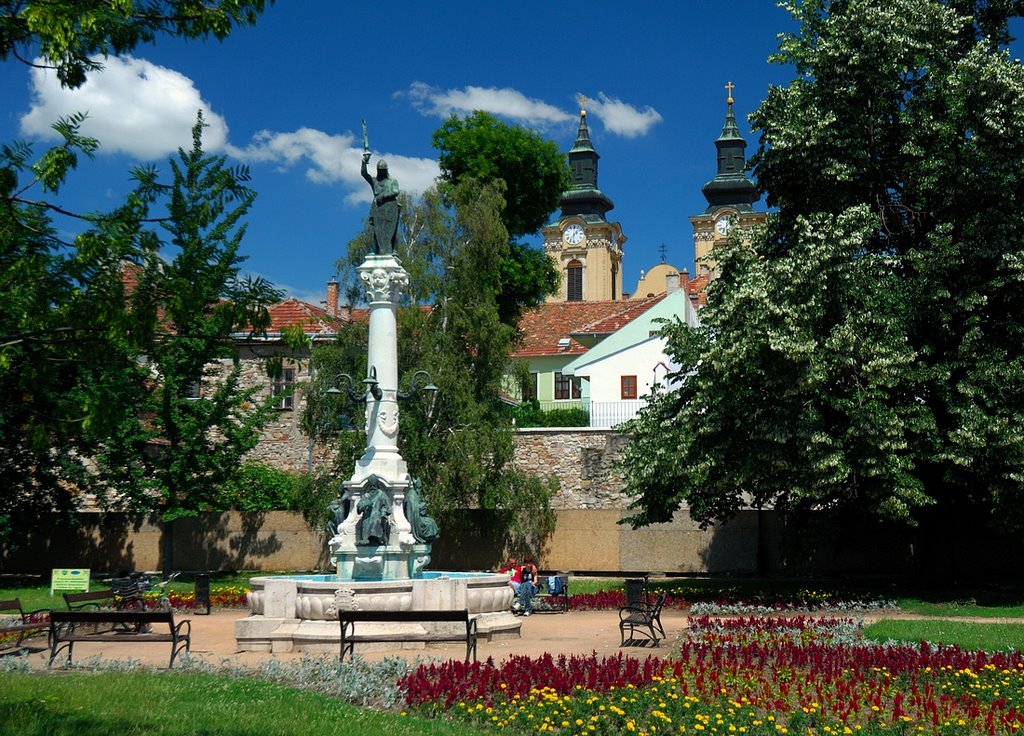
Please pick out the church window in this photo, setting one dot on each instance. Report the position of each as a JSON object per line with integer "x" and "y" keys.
{"x": 628, "y": 387}
{"x": 566, "y": 387}
{"x": 574, "y": 281}
{"x": 282, "y": 386}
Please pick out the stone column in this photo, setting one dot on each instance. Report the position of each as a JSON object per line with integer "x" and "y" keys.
{"x": 385, "y": 280}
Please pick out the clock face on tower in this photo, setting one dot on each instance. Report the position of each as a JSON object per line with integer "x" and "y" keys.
{"x": 573, "y": 235}
{"x": 722, "y": 225}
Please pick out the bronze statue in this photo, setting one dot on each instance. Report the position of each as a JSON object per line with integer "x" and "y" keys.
{"x": 375, "y": 507}
{"x": 384, "y": 210}
{"x": 337, "y": 513}
{"x": 424, "y": 528}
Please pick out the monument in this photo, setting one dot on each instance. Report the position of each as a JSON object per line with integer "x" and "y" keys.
{"x": 375, "y": 541}
{"x": 380, "y": 529}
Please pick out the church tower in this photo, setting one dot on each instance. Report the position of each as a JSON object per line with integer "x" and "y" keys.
{"x": 730, "y": 196}
{"x": 585, "y": 247}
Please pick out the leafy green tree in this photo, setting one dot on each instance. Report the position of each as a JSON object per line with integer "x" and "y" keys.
{"x": 458, "y": 441}
{"x": 45, "y": 336}
{"x": 69, "y": 35}
{"x": 863, "y": 359}
{"x": 482, "y": 147}
{"x": 533, "y": 175}
{"x": 69, "y": 347}
{"x": 190, "y": 424}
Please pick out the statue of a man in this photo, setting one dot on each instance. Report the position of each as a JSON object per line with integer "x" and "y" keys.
{"x": 384, "y": 209}
{"x": 337, "y": 513}
{"x": 424, "y": 528}
{"x": 375, "y": 508}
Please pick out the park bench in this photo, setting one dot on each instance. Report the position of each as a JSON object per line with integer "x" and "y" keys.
{"x": 350, "y": 636}
{"x": 545, "y": 601}
{"x": 17, "y": 624}
{"x": 134, "y": 627}
{"x": 90, "y": 600}
{"x": 643, "y": 619}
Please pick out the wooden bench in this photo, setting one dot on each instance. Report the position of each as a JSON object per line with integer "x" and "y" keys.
{"x": 551, "y": 602}
{"x": 350, "y": 637}
{"x": 16, "y": 620}
{"x": 90, "y": 600}
{"x": 135, "y": 627}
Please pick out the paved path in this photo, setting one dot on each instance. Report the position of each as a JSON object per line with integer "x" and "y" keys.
{"x": 576, "y": 632}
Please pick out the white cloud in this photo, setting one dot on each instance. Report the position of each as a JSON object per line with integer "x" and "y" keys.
{"x": 134, "y": 107}
{"x": 334, "y": 158}
{"x": 507, "y": 102}
{"x": 622, "y": 118}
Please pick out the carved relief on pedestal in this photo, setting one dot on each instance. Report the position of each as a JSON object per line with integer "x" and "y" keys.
{"x": 387, "y": 420}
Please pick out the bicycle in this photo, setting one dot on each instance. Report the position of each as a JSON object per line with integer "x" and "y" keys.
{"x": 129, "y": 590}
{"x": 163, "y": 602}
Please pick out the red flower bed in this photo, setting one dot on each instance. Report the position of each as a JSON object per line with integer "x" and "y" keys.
{"x": 754, "y": 676}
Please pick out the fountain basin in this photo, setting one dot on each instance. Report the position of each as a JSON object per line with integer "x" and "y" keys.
{"x": 297, "y": 612}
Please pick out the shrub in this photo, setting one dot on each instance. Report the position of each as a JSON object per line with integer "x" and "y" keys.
{"x": 260, "y": 487}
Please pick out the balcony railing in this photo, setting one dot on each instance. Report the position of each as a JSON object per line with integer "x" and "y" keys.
{"x": 602, "y": 414}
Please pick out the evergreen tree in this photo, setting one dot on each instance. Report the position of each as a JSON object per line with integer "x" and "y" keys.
{"x": 68, "y": 341}
{"x": 191, "y": 421}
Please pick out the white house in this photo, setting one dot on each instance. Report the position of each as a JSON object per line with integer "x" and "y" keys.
{"x": 621, "y": 370}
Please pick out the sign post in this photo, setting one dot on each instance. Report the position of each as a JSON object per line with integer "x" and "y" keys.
{"x": 69, "y": 580}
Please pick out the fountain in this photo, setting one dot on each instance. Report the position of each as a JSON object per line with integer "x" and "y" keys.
{"x": 381, "y": 541}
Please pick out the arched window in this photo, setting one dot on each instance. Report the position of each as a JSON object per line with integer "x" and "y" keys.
{"x": 574, "y": 281}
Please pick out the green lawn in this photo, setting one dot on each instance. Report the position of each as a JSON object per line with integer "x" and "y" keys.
{"x": 164, "y": 704}
{"x": 968, "y": 608}
{"x": 35, "y": 591}
{"x": 991, "y": 637}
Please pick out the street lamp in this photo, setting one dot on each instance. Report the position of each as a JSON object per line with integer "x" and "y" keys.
{"x": 414, "y": 385}
{"x": 370, "y": 384}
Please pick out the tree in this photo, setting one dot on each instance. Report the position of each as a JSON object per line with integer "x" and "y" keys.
{"x": 186, "y": 430}
{"x": 68, "y": 360}
{"x": 863, "y": 359}
{"x": 70, "y": 35}
{"x": 459, "y": 442}
{"x": 533, "y": 175}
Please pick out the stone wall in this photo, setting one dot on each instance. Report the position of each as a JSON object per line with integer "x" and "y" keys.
{"x": 581, "y": 458}
{"x": 283, "y": 445}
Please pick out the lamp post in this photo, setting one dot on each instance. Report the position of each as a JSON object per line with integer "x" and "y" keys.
{"x": 371, "y": 386}
{"x": 414, "y": 385}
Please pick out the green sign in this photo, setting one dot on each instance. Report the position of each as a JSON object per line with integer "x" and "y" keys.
{"x": 69, "y": 579}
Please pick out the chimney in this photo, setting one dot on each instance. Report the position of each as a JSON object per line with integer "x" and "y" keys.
{"x": 332, "y": 297}
{"x": 671, "y": 283}
{"x": 684, "y": 279}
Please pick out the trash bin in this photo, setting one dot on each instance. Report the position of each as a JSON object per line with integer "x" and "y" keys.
{"x": 203, "y": 594}
{"x": 636, "y": 591}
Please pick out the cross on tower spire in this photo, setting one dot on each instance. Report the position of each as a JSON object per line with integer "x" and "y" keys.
{"x": 729, "y": 86}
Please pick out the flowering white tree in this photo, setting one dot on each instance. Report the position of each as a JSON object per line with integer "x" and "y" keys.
{"x": 864, "y": 357}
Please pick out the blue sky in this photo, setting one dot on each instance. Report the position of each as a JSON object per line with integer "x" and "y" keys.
{"x": 286, "y": 97}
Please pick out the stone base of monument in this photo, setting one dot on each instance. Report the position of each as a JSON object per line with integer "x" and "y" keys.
{"x": 299, "y": 613}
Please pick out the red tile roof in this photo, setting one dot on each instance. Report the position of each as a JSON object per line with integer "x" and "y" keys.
{"x": 542, "y": 328}
{"x": 697, "y": 288}
{"x": 313, "y": 320}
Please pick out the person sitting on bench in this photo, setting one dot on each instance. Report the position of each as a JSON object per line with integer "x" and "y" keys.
{"x": 527, "y": 584}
